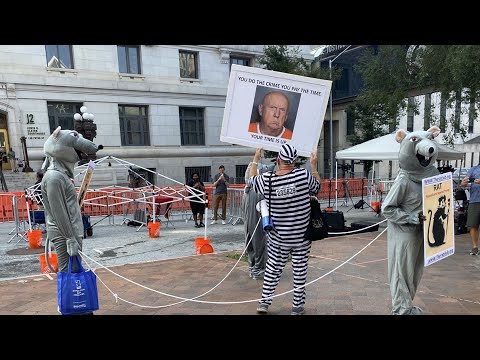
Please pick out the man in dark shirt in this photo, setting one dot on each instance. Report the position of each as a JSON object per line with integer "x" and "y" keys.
{"x": 221, "y": 182}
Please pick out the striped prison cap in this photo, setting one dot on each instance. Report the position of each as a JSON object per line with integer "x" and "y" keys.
{"x": 288, "y": 153}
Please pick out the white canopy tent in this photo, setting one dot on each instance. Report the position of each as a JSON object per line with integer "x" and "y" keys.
{"x": 385, "y": 148}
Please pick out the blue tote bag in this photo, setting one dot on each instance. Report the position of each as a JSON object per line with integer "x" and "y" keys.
{"x": 77, "y": 292}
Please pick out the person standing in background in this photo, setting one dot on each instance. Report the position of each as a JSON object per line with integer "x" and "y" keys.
{"x": 221, "y": 182}
{"x": 13, "y": 160}
{"x": 38, "y": 190}
{"x": 473, "y": 215}
{"x": 198, "y": 208}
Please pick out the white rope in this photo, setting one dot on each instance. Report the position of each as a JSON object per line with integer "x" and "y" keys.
{"x": 162, "y": 293}
{"x": 356, "y": 230}
{"x": 194, "y": 299}
{"x": 343, "y": 263}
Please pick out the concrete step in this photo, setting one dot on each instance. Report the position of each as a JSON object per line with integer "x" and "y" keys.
{"x": 18, "y": 181}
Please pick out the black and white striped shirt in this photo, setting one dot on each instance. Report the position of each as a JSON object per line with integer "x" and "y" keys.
{"x": 290, "y": 203}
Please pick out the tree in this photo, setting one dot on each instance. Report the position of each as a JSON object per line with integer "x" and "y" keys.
{"x": 386, "y": 80}
{"x": 287, "y": 59}
{"x": 394, "y": 73}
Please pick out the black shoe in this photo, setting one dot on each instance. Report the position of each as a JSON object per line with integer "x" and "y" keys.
{"x": 197, "y": 226}
{"x": 202, "y": 225}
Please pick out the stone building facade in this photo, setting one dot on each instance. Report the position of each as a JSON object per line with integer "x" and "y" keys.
{"x": 158, "y": 106}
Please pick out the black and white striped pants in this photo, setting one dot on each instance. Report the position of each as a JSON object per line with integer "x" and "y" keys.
{"x": 277, "y": 259}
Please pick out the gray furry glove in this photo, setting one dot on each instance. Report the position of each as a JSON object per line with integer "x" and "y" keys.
{"x": 415, "y": 218}
{"x": 72, "y": 247}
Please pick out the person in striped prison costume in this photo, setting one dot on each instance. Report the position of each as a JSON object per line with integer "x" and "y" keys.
{"x": 288, "y": 192}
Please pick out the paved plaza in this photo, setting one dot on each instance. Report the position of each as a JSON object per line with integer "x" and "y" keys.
{"x": 157, "y": 276}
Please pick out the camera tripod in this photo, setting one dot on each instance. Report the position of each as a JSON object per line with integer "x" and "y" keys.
{"x": 346, "y": 191}
{"x": 360, "y": 203}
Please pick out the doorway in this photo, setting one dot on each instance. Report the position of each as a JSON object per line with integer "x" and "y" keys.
{"x": 4, "y": 149}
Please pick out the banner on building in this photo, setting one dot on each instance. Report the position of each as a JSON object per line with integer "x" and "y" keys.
{"x": 438, "y": 228}
{"x": 266, "y": 109}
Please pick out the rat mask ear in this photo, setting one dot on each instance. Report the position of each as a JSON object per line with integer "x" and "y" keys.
{"x": 435, "y": 130}
{"x": 57, "y": 131}
{"x": 400, "y": 135}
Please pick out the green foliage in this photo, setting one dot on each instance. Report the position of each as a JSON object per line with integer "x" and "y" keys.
{"x": 283, "y": 58}
{"x": 396, "y": 73}
{"x": 371, "y": 121}
{"x": 386, "y": 79}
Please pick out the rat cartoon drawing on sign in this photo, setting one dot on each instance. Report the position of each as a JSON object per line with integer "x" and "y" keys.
{"x": 440, "y": 222}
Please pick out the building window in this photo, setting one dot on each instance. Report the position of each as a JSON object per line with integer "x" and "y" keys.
{"x": 350, "y": 122}
{"x": 203, "y": 171}
{"x": 192, "y": 126}
{"x": 128, "y": 59}
{"x": 61, "y": 114}
{"x": 240, "y": 174}
{"x": 134, "y": 125}
{"x": 239, "y": 61}
{"x": 59, "y": 56}
{"x": 410, "y": 113}
{"x": 188, "y": 64}
{"x": 138, "y": 177}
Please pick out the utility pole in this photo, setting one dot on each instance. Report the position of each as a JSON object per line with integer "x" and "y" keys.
{"x": 331, "y": 109}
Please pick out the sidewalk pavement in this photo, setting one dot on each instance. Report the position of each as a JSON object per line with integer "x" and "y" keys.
{"x": 338, "y": 287}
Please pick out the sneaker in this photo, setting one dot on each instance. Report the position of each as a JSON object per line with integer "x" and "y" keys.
{"x": 298, "y": 310}
{"x": 262, "y": 308}
{"x": 474, "y": 251}
{"x": 223, "y": 222}
{"x": 415, "y": 310}
{"x": 201, "y": 225}
{"x": 213, "y": 222}
{"x": 257, "y": 275}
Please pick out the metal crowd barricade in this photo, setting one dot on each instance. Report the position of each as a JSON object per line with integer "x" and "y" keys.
{"x": 234, "y": 205}
{"x": 384, "y": 187}
{"x": 18, "y": 231}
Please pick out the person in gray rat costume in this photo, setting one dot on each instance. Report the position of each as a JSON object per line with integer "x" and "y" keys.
{"x": 62, "y": 211}
{"x": 256, "y": 249}
{"x": 403, "y": 209}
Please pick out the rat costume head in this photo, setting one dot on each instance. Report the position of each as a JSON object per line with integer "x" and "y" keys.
{"x": 63, "y": 148}
{"x": 418, "y": 152}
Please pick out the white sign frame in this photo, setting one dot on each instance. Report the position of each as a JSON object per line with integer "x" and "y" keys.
{"x": 435, "y": 188}
{"x": 308, "y": 99}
